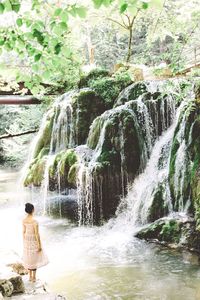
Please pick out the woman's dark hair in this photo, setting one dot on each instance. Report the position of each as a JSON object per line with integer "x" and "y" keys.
{"x": 29, "y": 208}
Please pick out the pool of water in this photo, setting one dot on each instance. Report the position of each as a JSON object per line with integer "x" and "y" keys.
{"x": 96, "y": 263}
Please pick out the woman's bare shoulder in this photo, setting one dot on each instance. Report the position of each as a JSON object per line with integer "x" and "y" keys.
{"x": 28, "y": 221}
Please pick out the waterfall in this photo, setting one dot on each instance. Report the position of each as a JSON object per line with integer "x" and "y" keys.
{"x": 127, "y": 159}
{"x": 135, "y": 208}
{"x": 148, "y": 126}
{"x": 62, "y": 137}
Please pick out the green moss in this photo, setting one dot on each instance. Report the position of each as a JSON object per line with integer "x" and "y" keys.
{"x": 36, "y": 172}
{"x": 92, "y": 75}
{"x": 171, "y": 231}
{"x": 87, "y": 105}
{"x": 132, "y": 92}
{"x": 158, "y": 207}
{"x": 108, "y": 88}
{"x": 71, "y": 178}
{"x": 94, "y": 134}
{"x": 67, "y": 159}
{"x": 45, "y": 138}
{"x": 43, "y": 152}
{"x": 197, "y": 92}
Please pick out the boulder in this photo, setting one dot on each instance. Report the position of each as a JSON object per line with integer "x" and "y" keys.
{"x": 175, "y": 232}
{"x": 63, "y": 205}
{"x": 18, "y": 268}
{"x": 10, "y": 283}
{"x": 6, "y": 287}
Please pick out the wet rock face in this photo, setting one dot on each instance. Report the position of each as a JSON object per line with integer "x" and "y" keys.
{"x": 173, "y": 232}
{"x": 65, "y": 206}
{"x": 185, "y": 161}
{"x": 117, "y": 161}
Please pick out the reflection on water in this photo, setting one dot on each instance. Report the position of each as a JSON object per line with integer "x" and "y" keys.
{"x": 97, "y": 263}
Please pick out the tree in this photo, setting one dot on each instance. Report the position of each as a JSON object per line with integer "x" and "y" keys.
{"x": 41, "y": 37}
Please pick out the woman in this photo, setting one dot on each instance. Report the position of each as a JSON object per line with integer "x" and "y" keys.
{"x": 33, "y": 255}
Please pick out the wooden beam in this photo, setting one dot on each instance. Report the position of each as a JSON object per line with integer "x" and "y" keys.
{"x": 11, "y": 135}
{"x": 16, "y": 100}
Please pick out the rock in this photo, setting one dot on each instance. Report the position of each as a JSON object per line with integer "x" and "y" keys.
{"x": 63, "y": 170}
{"x": 1, "y": 296}
{"x": 92, "y": 75}
{"x": 197, "y": 92}
{"x": 18, "y": 268}
{"x": 37, "y": 291}
{"x": 18, "y": 285}
{"x": 63, "y": 205}
{"x": 177, "y": 232}
{"x": 11, "y": 283}
{"x": 6, "y": 287}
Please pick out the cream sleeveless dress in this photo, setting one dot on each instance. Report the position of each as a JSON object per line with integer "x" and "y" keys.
{"x": 32, "y": 258}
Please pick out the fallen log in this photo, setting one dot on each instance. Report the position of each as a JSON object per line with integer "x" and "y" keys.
{"x": 11, "y": 135}
{"x": 16, "y": 100}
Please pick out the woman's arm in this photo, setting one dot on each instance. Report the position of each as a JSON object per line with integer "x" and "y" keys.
{"x": 37, "y": 235}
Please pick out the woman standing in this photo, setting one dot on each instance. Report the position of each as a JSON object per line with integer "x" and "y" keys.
{"x": 33, "y": 255}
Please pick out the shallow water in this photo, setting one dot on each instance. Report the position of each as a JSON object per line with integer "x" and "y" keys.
{"x": 97, "y": 263}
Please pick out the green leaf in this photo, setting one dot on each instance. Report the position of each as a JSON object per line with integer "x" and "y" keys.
{"x": 132, "y": 10}
{"x": 46, "y": 75}
{"x": 60, "y": 28}
{"x": 123, "y": 8}
{"x": 2, "y": 41}
{"x": 28, "y": 23}
{"x": 157, "y": 3}
{"x": 73, "y": 11}
{"x": 145, "y": 5}
{"x": 35, "y": 67}
{"x": 97, "y": 3}
{"x": 37, "y": 57}
{"x": 57, "y": 48}
{"x": 63, "y": 26}
{"x": 57, "y": 12}
{"x": 106, "y": 3}
{"x": 16, "y": 7}
{"x": 64, "y": 15}
{"x": 7, "y": 5}
{"x": 2, "y": 7}
{"x": 81, "y": 11}
{"x": 19, "y": 22}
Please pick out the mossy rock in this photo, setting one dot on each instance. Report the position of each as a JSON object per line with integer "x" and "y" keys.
{"x": 45, "y": 138}
{"x": 192, "y": 147}
{"x": 36, "y": 172}
{"x": 63, "y": 167}
{"x": 197, "y": 92}
{"x": 108, "y": 88}
{"x": 163, "y": 230}
{"x": 114, "y": 137}
{"x": 92, "y": 75}
{"x": 158, "y": 208}
{"x": 132, "y": 92}
{"x": 87, "y": 105}
{"x": 72, "y": 175}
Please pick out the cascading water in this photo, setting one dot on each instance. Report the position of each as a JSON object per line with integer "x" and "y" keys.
{"x": 148, "y": 128}
{"x": 61, "y": 137}
{"x": 135, "y": 209}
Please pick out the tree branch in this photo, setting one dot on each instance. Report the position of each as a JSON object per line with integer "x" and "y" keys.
{"x": 11, "y": 135}
{"x": 118, "y": 23}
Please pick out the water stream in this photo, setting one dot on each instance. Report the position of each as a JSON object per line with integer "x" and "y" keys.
{"x": 89, "y": 263}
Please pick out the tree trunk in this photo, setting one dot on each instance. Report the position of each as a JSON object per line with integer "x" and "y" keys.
{"x": 129, "y": 54}
{"x": 11, "y": 135}
{"x": 16, "y": 100}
